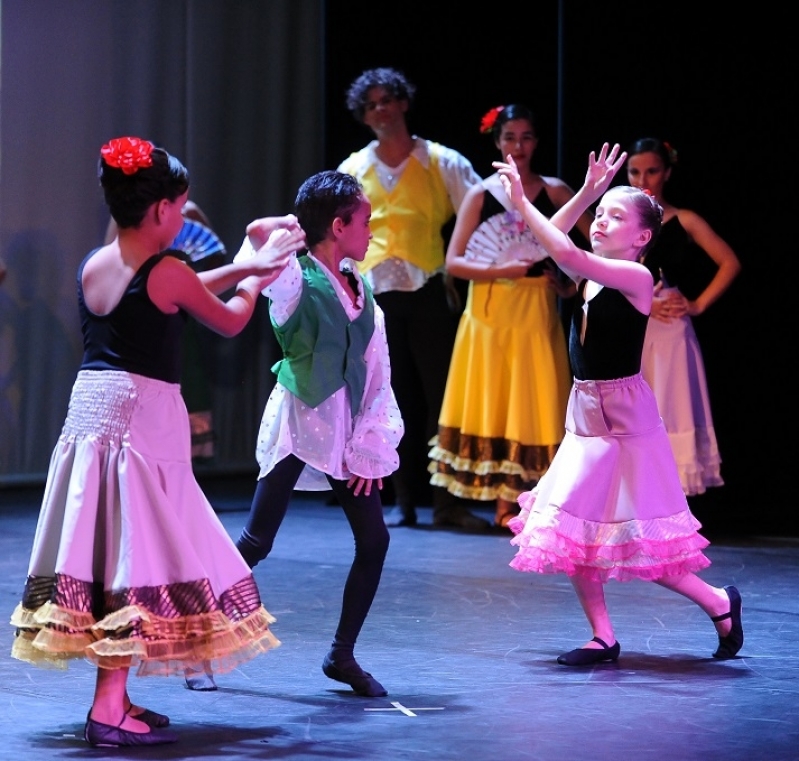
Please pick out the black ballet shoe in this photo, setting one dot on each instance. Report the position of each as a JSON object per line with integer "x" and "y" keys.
{"x": 733, "y": 642}
{"x": 587, "y": 656}
{"x": 361, "y": 682}
{"x": 199, "y": 681}
{"x": 150, "y": 718}
{"x": 106, "y": 736}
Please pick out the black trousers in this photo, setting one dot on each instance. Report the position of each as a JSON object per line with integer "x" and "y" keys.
{"x": 420, "y": 329}
{"x": 365, "y": 516}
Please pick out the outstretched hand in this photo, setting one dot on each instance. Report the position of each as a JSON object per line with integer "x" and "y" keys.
{"x": 602, "y": 170}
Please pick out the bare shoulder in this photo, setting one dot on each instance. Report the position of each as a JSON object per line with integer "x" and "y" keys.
{"x": 475, "y": 193}
{"x": 690, "y": 220}
{"x": 558, "y": 191}
{"x": 174, "y": 266}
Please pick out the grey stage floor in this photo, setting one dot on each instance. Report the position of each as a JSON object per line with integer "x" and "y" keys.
{"x": 466, "y": 647}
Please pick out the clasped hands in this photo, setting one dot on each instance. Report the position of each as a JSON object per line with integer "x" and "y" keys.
{"x": 274, "y": 240}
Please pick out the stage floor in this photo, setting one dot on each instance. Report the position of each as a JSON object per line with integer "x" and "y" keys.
{"x": 466, "y": 647}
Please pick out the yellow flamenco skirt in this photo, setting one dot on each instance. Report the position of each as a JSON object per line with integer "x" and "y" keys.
{"x": 504, "y": 408}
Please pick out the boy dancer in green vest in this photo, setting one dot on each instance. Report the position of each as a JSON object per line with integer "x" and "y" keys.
{"x": 331, "y": 421}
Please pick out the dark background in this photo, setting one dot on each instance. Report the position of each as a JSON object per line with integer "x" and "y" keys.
{"x": 718, "y": 88}
{"x": 250, "y": 94}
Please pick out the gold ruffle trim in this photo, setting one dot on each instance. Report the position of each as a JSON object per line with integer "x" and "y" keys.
{"x": 51, "y": 636}
{"x": 485, "y": 469}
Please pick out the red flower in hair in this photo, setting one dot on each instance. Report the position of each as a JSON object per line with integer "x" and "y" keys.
{"x": 487, "y": 122}
{"x": 128, "y": 153}
{"x": 672, "y": 152}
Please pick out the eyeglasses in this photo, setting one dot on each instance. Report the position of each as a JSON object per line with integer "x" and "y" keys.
{"x": 384, "y": 101}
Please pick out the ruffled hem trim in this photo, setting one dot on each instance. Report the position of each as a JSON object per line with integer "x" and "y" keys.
{"x": 557, "y": 542}
{"x": 476, "y": 493}
{"x": 537, "y": 560}
{"x": 51, "y": 636}
{"x": 443, "y": 460}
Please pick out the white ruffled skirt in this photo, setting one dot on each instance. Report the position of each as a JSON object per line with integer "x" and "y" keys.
{"x": 130, "y": 564}
{"x": 672, "y": 365}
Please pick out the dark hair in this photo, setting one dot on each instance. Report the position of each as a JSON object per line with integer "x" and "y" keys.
{"x": 512, "y": 111}
{"x": 652, "y": 145}
{"x": 323, "y": 197}
{"x": 128, "y": 196}
{"x": 650, "y": 212}
{"x": 393, "y": 80}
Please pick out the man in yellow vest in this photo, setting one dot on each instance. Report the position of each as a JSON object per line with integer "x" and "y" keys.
{"x": 415, "y": 187}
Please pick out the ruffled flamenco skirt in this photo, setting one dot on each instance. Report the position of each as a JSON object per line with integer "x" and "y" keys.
{"x": 505, "y": 401}
{"x": 672, "y": 365}
{"x": 130, "y": 565}
{"x": 611, "y": 505}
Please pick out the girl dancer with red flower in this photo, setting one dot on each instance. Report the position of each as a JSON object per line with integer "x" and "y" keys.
{"x": 501, "y": 420}
{"x": 130, "y": 565}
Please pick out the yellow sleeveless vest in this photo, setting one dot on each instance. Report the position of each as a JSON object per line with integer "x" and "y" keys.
{"x": 406, "y": 221}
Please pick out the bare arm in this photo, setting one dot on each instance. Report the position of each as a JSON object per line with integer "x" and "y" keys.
{"x": 629, "y": 277}
{"x": 560, "y": 193}
{"x": 174, "y": 285}
{"x": 729, "y": 266}
{"x": 600, "y": 173}
{"x": 289, "y": 237}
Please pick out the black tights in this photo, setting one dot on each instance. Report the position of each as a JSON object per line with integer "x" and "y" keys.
{"x": 365, "y": 516}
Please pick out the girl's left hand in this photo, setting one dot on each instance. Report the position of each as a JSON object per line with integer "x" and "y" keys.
{"x": 603, "y": 169}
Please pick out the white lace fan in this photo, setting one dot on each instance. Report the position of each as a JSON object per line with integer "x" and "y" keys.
{"x": 503, "y": 238}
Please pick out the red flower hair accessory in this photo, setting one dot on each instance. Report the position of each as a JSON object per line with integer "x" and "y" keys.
{"x": 672, "y": 151}
{"x": 128, "y": 154}
{"x": 487, "y": 122}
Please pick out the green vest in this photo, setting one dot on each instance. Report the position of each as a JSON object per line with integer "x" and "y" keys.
{"x": 322, "y": 349}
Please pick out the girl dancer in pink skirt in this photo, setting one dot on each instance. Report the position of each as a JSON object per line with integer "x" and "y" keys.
{"x": 611, "y": 506}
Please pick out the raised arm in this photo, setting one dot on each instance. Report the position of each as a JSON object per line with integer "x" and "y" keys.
{"x": 269, "y": 236}
{"x": 174, "y": 285}
{"x": 598, "y": 177}
{"x": 625, "y": 275}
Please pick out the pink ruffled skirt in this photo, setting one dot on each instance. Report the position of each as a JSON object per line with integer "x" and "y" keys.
{"x": 611, "y": 505}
